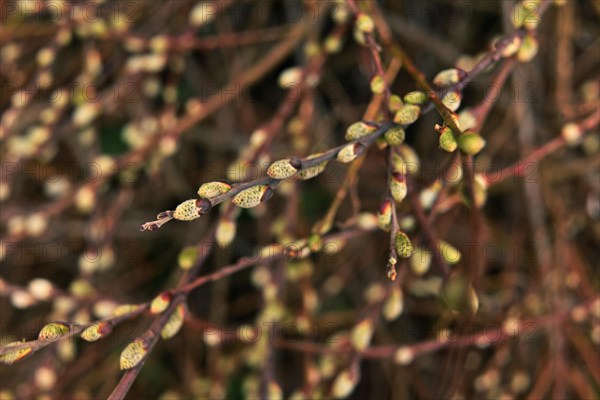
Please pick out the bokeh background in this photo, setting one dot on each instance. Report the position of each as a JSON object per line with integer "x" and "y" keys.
{"x": 113, "y": 111}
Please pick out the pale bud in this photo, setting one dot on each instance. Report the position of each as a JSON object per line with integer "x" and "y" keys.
{"x": 366, "y": 221}
{"x": 85, "y": 114}
{"x": 53, "y": 331}
{"x": 364, "y": 23}
{"x": 398, "y": 187}
{"x": 85, "y": 199}
{"x": 471, "y": 143}
{"x": 16, "y": 355}
{"x": 21, "y": 299}
{"x": 404, "y": 356}
{"x": 384, "y": 215}
{"x": 133, "y": 354}
{"x": 428, "y": 195}
{"x": 40, "y": 288}
{"x": 359, "y": 129}
{"x": 408, "y": 114}
{"x": 572, "y": 134}
{"x": 191, "y": 209}
{"x": 283, "y": 169}
{"x": 420, "y": 261}
{"x": 512, "y": 47}
{"x": 174, "y": 323}
{"x": 361, "y": 334}
{"x": 394, "y": 304}
{"x": 253, "y": 196}
{"x": 290, "y": 77}
{"x": 449, "y": 253}
{"x": 447, "y": 140}
{"x": 448, "y": 77}
{"x": 225, "y": 232}
{"x": 395, "y": 103}
{"x": 45, "y": 377}
{"x": 187, "y": 257}
{"x": 404, "y": 247}
{"x": 452, "y": 100}
{"x": 45, "y": 56}
{"x": 203, "y": 13}
{"x": 311, "y": 172}
{"x": 394, "y": 136}
{"x": 161, "y": 302}
{"x": 345, "y": 383}
{"x": 377, "y": 84}
{"x": 213, "y": 189}
{"x": 350, "y": 152}
{"x": 96, "y": 331}
{"x": 36, "y": 224}
{"x": 528, "y": 50}
{"x": 416, "y": 97}
{"x": 411, "y": 159}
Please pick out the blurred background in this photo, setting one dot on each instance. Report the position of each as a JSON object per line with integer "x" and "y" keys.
{"x": 113, "y": 111}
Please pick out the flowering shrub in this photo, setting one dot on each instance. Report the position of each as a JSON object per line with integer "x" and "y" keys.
{"x": 364, "y": 199}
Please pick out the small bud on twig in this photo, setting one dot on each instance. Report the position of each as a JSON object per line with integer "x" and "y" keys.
{"x": 284, "y": 169}
{"x": 253, "y": 196}
{"x": 213, "y": 189}
{"x": 408, "y": 114}
{"x": 471, "y": 143}
{"x": 359, "y": 129}
{"x": 398, "y": 187}
{"x": 404, "y": 247}
{"x": 350, "y": 152}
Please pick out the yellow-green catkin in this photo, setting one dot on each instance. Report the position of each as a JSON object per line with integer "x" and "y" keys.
{"x": 448, "y": 77}
{"x": 395, "y": 103}
{"x": 404, "y": 247}
{"x": 311, "y": 172}
{"x": 213, "y": 189}
{"x": 471, "y": 143}
{"x": 359, "y": 129}
{"x": 384, "y": 215}
{"x": 408, "y": 114}
{"x": 283, "y": 169}
{"x": 96, "y": 331}
{"x": 253, "y": 196}
{"x": 447, "y": 141}
{"x": 53, "y": 331}
{"x": 350, "y": 152}
{"x": 190, "y": 209}
{"x": 161, "y": 302}
{"x": 394, "y": 136}
{"x": 377, "y": 84}
{"x": 364, "y": 23}
{"x": 398, "y": 186}
{"x": 133, "y": 353}
{"x": 416, "y": 97}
